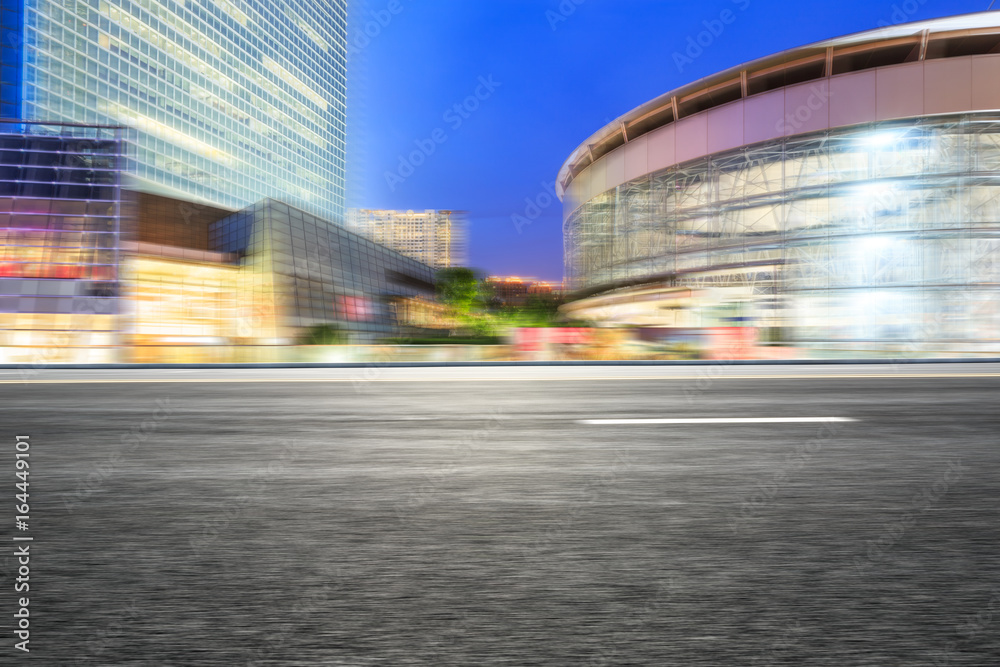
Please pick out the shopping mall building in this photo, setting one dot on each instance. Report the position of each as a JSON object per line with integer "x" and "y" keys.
{"x": 842, "y": 196}
{"x": 172, "y": 185}
{"x": 91, "y": 272}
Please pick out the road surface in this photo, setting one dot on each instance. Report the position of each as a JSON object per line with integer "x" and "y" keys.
{"x": 700, "y": 515}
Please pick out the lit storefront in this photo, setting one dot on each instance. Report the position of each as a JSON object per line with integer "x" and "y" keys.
{"x": 77, "y": 287}
{"x": 59, "y": 243}
{"x": 179, "y": 308}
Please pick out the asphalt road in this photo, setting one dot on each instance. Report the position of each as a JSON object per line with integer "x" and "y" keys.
{"x": 481, "y": 517}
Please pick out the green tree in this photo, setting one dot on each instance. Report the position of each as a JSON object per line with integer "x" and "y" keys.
{"x": 324, "y": 334}
{"x": 459, "y": 288}
{"x": 542, "y": 310}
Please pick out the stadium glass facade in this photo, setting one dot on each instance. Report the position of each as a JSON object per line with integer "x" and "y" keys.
{"x": 856, "y": 210}
{"x": 879, "y": 232}
{"x": 230, "y": 100}
{"x": 60, "y": 230}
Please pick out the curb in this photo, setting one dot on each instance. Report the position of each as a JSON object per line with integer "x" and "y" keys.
{"x": 460, "y": 364}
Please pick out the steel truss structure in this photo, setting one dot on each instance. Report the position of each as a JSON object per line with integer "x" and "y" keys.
{"x": 872, "y": 236}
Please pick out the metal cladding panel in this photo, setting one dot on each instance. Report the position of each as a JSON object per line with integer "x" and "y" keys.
{"x": 571, "y": 198}
{"x": 852, "y": 98}
{"x": 893, "y": 92}
{"x": 636, "y": 155}
{"x": 615, "y": 174}
{"x": 953, "y": 37}
{"x": 762, "y": 116}
{"x": 692, "y": 137}
{"x": 948, "y": 85}
{"x": 807, "y": 107}
{"x": 661, "y": 150}
{"x": 899, "y": 91}
{"x": 725, "y": 127}
{"x": 985, "y": 86}
{"x": 582, "y": 186}
{"x": 598, "y": 178}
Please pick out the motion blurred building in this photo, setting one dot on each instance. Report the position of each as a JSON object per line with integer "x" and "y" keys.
{"x": 274, "y": 273}
{"x": 172, "y": 184}
{"x": 301, "y": 271}
{"x": 842, "y": 196}
{"x": 229, "y": 101}
{"x": 515, "y": 290}
{"x": 60, "y": 242}
{"x": 75, "y": 287}
{"x": 436, "y": 238}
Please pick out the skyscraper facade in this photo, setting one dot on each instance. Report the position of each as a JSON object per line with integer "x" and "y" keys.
{"x": 229, "y": 101}
{"x": 436, "y": 238}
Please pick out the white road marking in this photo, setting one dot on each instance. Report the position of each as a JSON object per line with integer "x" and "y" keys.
{"x": 718, "y": 420}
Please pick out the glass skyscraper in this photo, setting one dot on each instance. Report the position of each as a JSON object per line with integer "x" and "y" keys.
{"x": 230, "y": 101}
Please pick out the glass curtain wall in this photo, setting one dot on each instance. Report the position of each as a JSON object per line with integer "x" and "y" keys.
{"x": 878, "y": 234}
{"x": 60, "y": 209}
{"x": 300, "y": 271}
{"x": 231, "y": 101}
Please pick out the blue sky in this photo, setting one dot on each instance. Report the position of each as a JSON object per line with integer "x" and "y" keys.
{"x": 532, "y": 80}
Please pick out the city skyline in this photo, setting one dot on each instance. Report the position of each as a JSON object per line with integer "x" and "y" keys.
{"x": 503, "y": 332}
{"x": 477, "y": 108}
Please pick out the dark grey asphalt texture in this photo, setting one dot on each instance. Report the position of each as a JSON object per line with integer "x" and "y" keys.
{"x": 478, "y": 523}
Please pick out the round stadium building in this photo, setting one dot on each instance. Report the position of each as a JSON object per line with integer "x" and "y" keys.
{"x": 842, "y": 196}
